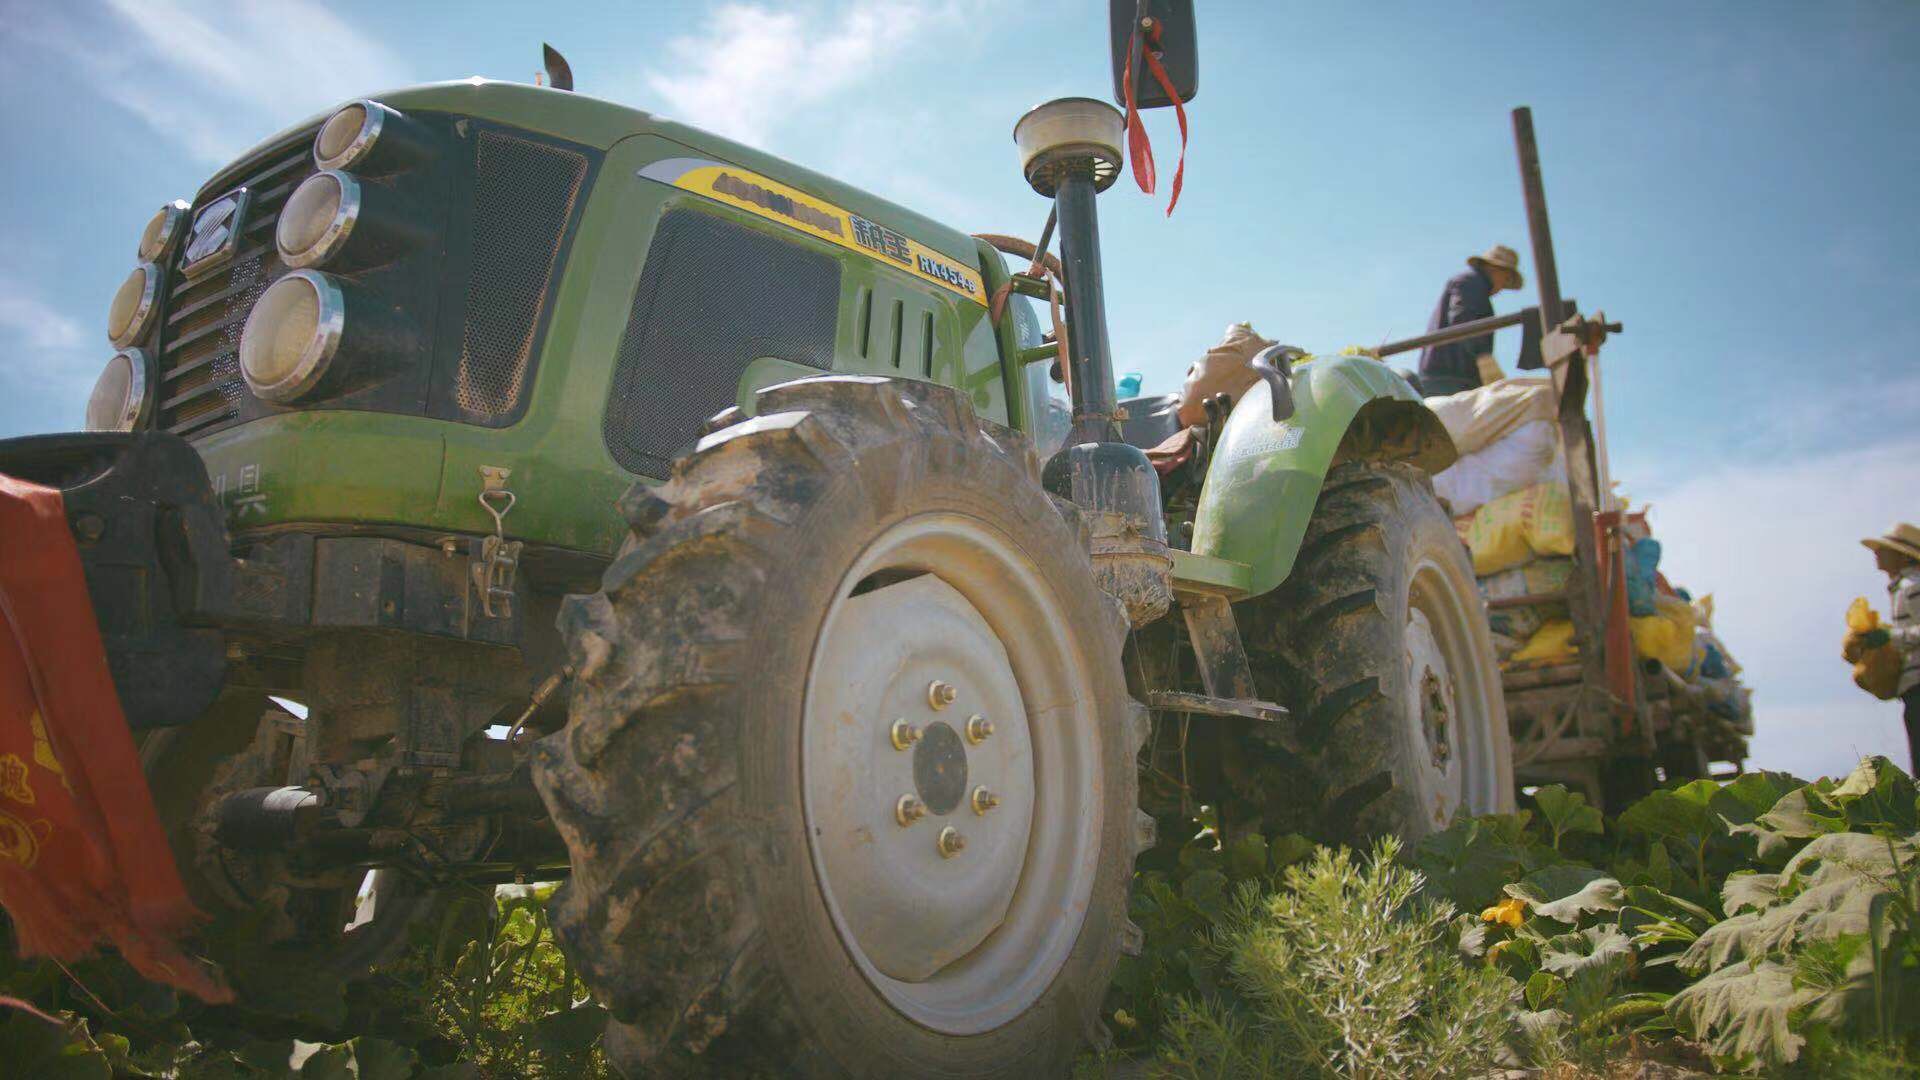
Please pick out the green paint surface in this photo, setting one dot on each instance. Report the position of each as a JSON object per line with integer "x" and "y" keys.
{"x": 327, "y": 466}
{"x": 1266, "y": 476}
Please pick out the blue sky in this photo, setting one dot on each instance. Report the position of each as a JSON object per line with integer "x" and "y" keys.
{"x": 1735, "y": 181}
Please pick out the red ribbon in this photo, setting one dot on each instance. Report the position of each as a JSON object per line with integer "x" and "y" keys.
{"x": 1138, "y": 147}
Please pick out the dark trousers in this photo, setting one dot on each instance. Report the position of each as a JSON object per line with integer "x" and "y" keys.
{"x": 1911, "y": 701}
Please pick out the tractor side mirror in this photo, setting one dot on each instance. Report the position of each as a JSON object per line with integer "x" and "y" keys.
{"x": 1170, "y": 37}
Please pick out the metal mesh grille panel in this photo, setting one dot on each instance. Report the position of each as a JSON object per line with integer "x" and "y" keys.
{"x": 200, "y": 384}
{"x": 524, "y": 193}
{"x": 714, "y": 296}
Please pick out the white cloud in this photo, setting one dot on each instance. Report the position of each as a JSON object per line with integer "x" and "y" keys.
{"x": 45, "y": 354}
{"x": 28, "y": 321}
{"x": 215, "y": 75}
{"x": 1777, "y": 542}
{"x": 751, "y": 66}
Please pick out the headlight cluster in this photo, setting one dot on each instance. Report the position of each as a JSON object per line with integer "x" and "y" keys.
{"x": 333, "y": 221}
{"x": 120, "y": 395}
{"x": 341, "y": 219}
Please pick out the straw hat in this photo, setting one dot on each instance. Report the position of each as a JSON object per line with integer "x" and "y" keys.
{"x": 1903, "y": 538}
{"x": 1502, "y": 256}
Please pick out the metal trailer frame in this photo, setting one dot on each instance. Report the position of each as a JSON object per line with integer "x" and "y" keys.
{"x": 1596, "y": 722}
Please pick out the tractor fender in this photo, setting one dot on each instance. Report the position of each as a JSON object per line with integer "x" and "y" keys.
{"x": 1265, "y": 475}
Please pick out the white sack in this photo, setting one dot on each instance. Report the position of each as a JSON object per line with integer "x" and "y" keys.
{"x": 1483, "y": 416}
{"x": 1515, "y": 462}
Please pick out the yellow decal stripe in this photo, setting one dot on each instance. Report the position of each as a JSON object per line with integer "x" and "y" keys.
{"x": 775, "y": 201}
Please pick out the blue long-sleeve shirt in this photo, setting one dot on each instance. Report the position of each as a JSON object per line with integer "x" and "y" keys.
{"x": 1468, "y": 296}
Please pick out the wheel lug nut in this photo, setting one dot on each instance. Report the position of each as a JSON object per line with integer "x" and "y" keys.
{"x": 941, "y": 694}
{"x": 951, "y": 843}
{"x": 909, "y": 810}
{"x": 978, "y": 728}
{"x": 984, "y": 800}
{"x": 903, "y": 734}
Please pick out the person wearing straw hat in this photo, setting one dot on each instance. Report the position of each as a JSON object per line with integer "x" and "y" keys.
{"x": 1456, "y": 366}
{"x": 1897, "y": 552}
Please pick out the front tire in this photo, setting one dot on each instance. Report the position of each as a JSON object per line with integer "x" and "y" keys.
{"x": 748, "y": 894}
{"x": 1378, "y": 643}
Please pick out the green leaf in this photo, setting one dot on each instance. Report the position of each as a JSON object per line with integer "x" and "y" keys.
{"x": 1567, "y": 812}
{"x": 1826, "y": 890}
{"x": 567, "y": 1032}
{"x": 1877, "y": 797}
{"x": 1246, "y": 856}
{"x": 1749, "y": 795}
{"x": 1469, "y": 861}
{"x": 1285, "y": 850}
{"x": 1836, "y": 977}
{"x": 1743, "y": 1013}
{"x": 1470, "y": 936}
{"x": 1565, "y": 892}
{"x": 1595, "y": 951}
{"x": 32, "y": 1047}
{"x": 1544, "y": 989}
{"x": 1207, "y": 891}
{"x": 1683, "y": 813}
{"x": 1659, "y": 867}
{"x": 1654, "y": 918}
{"x": 1747, "y": 891}
{"x": 1804, "y": 813}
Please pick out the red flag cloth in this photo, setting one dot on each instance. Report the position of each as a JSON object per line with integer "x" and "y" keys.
{"x": 83, "y": 856}
{"x": 1138, "y": 146}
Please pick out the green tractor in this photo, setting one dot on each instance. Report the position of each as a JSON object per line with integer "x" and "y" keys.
{"x": 630, "y": 507}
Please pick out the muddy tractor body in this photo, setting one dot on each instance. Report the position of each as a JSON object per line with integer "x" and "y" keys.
{"x": 619, "y": 503}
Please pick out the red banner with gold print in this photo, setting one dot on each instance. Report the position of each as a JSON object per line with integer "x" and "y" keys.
{"x": 83, "y": 856}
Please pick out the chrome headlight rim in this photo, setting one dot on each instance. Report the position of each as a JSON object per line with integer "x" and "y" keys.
{"x": 134, "y": 404}
{"x": 334, "y": 237}
{"x": 148, "y": 305}
{"x": 330, "y": 326}
{"x": 372, "y": 119}
{"x": 171, "y": 220}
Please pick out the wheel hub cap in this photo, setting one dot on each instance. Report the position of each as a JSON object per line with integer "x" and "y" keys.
{"x": 917, "y": 892}
{"x": 1433, "y": 711}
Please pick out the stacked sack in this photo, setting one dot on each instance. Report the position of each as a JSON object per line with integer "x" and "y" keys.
{"x": 1506, "y": 438}
{"x": 1508, "y": 492}
{"x": 1508, "y": 495}
{"x": 1522, "y": 544}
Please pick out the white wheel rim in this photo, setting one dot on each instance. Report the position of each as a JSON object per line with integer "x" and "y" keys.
{"x": 959, "y": 943}
{"x": 1452, "y": 747}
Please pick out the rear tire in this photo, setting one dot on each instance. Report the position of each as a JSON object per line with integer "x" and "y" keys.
{"x": 1378, "y": 644}
{"x": 743, "y": 898}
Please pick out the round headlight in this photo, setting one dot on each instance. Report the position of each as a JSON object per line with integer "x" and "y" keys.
{"x": 291, "y": 335}
{"x": 348, "y": 135}
{"x": 134, "y": 305}
{"x": 319, "y": 216}
{"x": 163, "y": 231}
{"x": 120, "y": 396}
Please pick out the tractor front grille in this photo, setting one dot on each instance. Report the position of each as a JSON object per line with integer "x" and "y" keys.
{"x": 200, "y": 386}
{"x": 502, "y": 204}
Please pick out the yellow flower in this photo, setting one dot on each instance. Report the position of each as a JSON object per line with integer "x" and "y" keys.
{"x": 1512, "y": 911}
{"x": 1498, "y": 948}
{"x": 1121, "y": 1017}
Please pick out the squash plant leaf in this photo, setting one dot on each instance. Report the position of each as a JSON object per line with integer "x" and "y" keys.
{"x": 1565, "y": 892}
{"x": 1567, "y": 812}
{"x": 1742, "y": 1013}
